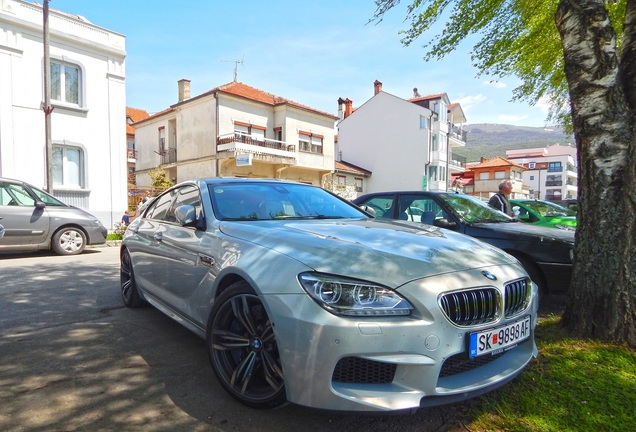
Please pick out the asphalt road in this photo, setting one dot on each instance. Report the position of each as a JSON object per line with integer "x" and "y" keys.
{"x": 73, "y": 358}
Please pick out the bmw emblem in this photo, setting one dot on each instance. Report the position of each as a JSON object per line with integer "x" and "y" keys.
{"x": 489, "y": 275}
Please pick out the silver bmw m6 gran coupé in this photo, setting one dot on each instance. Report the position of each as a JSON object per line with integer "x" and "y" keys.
{"x": 302, "y": 297}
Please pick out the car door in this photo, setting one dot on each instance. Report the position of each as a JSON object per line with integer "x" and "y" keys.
{"x": 179, "y": 264}
{"x": 25, "y": 223}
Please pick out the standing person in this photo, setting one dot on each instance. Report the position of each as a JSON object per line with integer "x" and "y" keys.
{"x": 499, "y": 201}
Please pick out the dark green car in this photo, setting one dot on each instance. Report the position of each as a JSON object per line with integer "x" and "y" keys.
{"x": 544, "y": 213}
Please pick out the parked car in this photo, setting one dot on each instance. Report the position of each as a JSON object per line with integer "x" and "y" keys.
{"x": 303, "y": 298}
{"x": 545, "y": 253}
{"x": 34, "y": 220}
{"x": 544, "y": 213}
{"x": 571, "y": 204}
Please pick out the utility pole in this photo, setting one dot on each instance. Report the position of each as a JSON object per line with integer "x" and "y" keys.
{"x": 47, "y": 100}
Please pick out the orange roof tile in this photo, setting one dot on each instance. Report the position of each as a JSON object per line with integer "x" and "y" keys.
{"x": 497, "y": 161}
{"x": 243, "y": 90}
{"x": 135, "y": 115}
{"x": 351, "y": 168}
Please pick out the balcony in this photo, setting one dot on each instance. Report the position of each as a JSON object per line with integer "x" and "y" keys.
{"x": 264, "y": 150}
{"x": 457, "y": 161}
{"x": 168, "y": 155}
{"x": 131, "y": 154}
{"x": 457, "y": 133}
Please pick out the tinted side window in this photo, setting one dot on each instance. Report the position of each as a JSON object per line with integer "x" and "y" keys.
{"x": 188, "y": 195}
{"x": 382, "y": 205}
{"x": 159, "y": 208}
{"x": 421, "y": 209}
{"x": 14, "y": 195}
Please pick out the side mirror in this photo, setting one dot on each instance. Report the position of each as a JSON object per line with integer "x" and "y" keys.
{"x": 185, "y": 215}
{"x": 368, "y": 209}
{"x": 39, "y": 204}
{"x": 445, "y": 223}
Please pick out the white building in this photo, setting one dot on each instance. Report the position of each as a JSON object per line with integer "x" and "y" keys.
{"x": 235, "y": 130}
{"x": 404, "y": 143}
{"x": 552, "y": 172}
{"x": 88, "y": 128}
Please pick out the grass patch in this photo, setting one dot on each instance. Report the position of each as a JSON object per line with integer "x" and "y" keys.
{"x": 574, "y": 385}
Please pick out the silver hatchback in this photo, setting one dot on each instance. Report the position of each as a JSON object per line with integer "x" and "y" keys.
{"x": 302, "y": 297}
{"x": 33, "y": 220}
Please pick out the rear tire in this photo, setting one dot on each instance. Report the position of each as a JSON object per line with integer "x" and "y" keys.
{"x": 243, "y": 350}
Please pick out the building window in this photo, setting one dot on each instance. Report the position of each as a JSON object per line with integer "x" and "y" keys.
{"x": 162, "y": 141}
{"x": 245, "y": 130}
{"x": 484, "y": 175}
{"x": 555, "y": 167}
{"x": 500, "y": 175}
{"x": 434, "y": 143}
{"x": 309, "y": 142}
{"x": 554, "y": 180}
{"x": 68, "y": 167}
{"x": 358, "y": 185}
{"x": 531, "y": 177}
{"x": 65, "y": 82}
{"x": 425, "y": 122}
{"x": 342, "y": 180}
{"x": 278, "y": 133}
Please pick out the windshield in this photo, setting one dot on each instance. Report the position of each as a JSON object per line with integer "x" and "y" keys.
{"x": 548, "y": 209}
{"x": 474, "y": 210}
{"x": 267, "y": 201}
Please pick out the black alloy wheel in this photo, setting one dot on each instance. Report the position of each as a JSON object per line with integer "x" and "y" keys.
{"x": 243, "y": 350}
{"x": 129, "y": 292}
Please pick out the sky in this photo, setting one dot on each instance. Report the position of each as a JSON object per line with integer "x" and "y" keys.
{"x": 310, "y": 52}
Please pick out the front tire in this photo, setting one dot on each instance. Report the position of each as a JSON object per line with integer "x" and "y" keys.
{"x": 69, "y": 241}
{"x": 243, "y": 350}
{"x": 129, "y": 292}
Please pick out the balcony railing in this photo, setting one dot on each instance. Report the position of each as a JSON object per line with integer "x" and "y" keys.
{"x": 457, "y": 160}
{"x": 457, "y": 132}
{"x": 168, "y": 155}
{"x": 238, "y": 142}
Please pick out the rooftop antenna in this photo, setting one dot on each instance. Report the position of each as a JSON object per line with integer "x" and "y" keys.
{"x": 236, "y": 63}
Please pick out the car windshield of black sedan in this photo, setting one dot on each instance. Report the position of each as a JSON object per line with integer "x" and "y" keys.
{"x": 473, "y": 210}
{"x": 267, "y": 201}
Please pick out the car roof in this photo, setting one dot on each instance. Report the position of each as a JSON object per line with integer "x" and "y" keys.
{"x": 230, "y": 180}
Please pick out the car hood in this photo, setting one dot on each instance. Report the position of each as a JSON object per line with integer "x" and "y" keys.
{"x": 528, "y": 232}
{"x": 387, "y": 252}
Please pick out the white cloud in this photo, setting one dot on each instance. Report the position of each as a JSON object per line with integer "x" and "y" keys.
{"x": 468, "y": 102}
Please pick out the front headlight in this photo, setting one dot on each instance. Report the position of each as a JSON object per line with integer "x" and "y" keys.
{"x": 342, "y": 296}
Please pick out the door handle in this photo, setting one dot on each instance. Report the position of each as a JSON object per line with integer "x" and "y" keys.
{"x": 158, "y": 236}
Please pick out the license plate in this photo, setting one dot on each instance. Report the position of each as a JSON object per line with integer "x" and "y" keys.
{"x": 499, "y": 339}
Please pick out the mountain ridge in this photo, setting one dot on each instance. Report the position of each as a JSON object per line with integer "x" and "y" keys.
{"x": 492, "y": 139}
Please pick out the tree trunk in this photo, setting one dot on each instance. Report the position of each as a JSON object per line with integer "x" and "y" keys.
{"x": 602, "y": 83}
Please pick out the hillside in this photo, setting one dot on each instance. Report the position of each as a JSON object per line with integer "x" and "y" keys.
{"x": 490, "y": 140}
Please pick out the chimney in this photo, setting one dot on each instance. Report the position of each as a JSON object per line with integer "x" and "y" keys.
{"x": 377, "y": 86}
{"x": 416, "y": 94}
{"x": 184, "y": 89}
{"x": 348, "y": 107}
{"x": 341, "y": 104}
{"x": 483, "y": 159}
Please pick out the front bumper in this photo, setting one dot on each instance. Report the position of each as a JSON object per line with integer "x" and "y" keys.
{"x": 387, "y": 364}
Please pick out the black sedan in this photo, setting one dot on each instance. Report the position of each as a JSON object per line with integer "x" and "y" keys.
{"x": 545, "y": 253}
